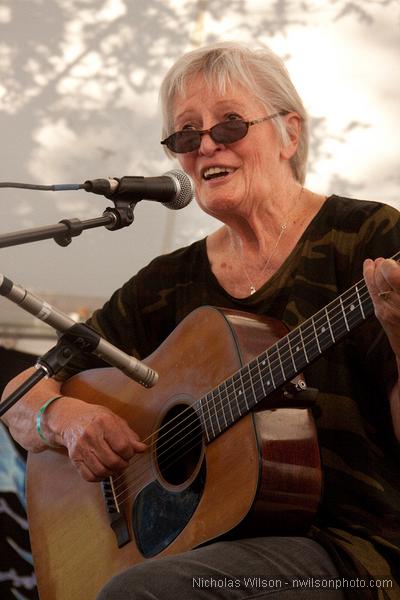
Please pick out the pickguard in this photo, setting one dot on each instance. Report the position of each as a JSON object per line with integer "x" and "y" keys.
{"x": 159, "y": 514}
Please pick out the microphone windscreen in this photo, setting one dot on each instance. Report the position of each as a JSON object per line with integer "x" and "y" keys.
{"x": 184, "y": 187}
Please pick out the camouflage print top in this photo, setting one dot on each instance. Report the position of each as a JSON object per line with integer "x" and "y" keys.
{"x": 359, "y": 518}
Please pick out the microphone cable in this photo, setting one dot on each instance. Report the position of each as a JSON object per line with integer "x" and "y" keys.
{"x": 52, "y": 188}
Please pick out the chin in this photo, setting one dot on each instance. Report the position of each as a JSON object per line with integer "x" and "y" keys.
{"x": 218, "y": 201}
{"x": 219, "y": 205}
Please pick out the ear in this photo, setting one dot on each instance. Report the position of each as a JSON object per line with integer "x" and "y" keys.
{"x": 293, "y": 128}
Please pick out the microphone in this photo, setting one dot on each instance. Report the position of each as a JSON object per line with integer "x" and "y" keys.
{"x": 174, "y": 189}
{"x": 60, "y": 321}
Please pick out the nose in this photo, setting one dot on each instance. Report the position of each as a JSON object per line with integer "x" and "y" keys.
{"x": 208, "y": 146}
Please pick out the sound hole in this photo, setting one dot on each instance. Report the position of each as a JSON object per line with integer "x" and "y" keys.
{"x": 179, "y": 444}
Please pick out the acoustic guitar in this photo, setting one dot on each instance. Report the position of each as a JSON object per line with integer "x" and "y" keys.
{"x": 232, "y": 451}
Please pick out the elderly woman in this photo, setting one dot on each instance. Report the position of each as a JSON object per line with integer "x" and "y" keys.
{"x": 237, "y": 126}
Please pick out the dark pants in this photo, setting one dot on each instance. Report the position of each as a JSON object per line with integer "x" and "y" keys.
{"x": 269, "y": 567}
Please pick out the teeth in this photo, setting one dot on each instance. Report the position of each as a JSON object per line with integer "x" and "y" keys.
{"x": 216, "y": 171}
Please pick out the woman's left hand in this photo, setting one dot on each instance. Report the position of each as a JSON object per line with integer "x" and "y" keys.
{"x": 382, "y": 277}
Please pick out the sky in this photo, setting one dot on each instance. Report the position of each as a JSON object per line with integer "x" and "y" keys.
{"x": 79, "y": 84}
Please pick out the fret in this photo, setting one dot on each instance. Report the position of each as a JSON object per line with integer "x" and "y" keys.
{"x": 323, "y": 331}
{"x": 360, "y": 301}
{"x": 246, "y": 372}
{"x": 353, "y": 309}
{"x": 239, "y": 392}
{"x": 308, "y": 337}
{"x": 210, "y": 421}
{"x": 266, "y": 376}
{"x": 336, "y": 319}
{"x": 207, "y": 417}
{"x": 227, "y": 400}
{"x": 302, "y": 343}
{"x": 214, "y": 411}
{"x": 291, "y": 352}
{"x": 264, "y": 371}
{"x": 316, "y": 334}
{"x": 261, "y": 375}
{"x": 256, "y": 383}
{"x": 344, "y": 314}
{"x": 253, "y": 383}
{"x": 329, "y": 324}
{"x": 224, "y": 402}
{"x": 270, "y": 380}
{"x": 358, "y": 310}
{"x": 367, "y": 303}
{"x": 278, "y": 351}
{"x": 299, "y": 357}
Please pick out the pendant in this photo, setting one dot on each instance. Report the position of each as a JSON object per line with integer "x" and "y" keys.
{"x": 252, "y": 290}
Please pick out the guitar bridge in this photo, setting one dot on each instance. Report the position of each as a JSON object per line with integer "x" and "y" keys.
{"x": 117, "y": 521}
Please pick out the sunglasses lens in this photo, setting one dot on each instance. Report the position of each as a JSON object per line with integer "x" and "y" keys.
{"x": 229, "y": 131}
{"x": 184, "y": 141}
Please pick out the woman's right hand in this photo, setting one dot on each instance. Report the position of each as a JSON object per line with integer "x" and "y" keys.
{"x": 99, "y": 443}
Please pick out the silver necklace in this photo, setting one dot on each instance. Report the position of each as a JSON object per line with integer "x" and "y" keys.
{"x": 283, "y": 228}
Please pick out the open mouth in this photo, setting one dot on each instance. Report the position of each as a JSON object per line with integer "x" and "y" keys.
{"x": 217, "y": 172}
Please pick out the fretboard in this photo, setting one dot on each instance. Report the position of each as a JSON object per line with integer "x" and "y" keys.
{"x": 279, "y": 364}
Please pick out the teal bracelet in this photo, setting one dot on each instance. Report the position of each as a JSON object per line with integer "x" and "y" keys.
{"x": 39, "y": 417}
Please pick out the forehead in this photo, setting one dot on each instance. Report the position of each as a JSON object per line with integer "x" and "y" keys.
{"x": 199, "y": 95}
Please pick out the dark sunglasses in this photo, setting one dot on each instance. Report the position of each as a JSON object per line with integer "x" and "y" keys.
{"x": 227, "y": 132}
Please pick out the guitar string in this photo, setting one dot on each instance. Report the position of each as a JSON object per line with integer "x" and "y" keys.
{"x": 281, "y": 359}
{"x": 257, "y": 366}
{"x": 273, "y": 366}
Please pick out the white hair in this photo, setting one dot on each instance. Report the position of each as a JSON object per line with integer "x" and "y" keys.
{"x": 261, "y": 72}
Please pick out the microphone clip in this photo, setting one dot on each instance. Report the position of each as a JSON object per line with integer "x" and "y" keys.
{"x": 78, "y": 339}
{"x": 122, "y": 213}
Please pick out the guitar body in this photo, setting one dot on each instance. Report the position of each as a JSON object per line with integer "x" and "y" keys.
{"x": 261, "y": 476}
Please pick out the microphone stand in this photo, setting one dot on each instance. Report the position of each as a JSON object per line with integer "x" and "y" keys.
{"x": 113, "y": 218}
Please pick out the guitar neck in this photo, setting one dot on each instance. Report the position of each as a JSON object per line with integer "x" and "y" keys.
{"x": 279, "y": 364}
